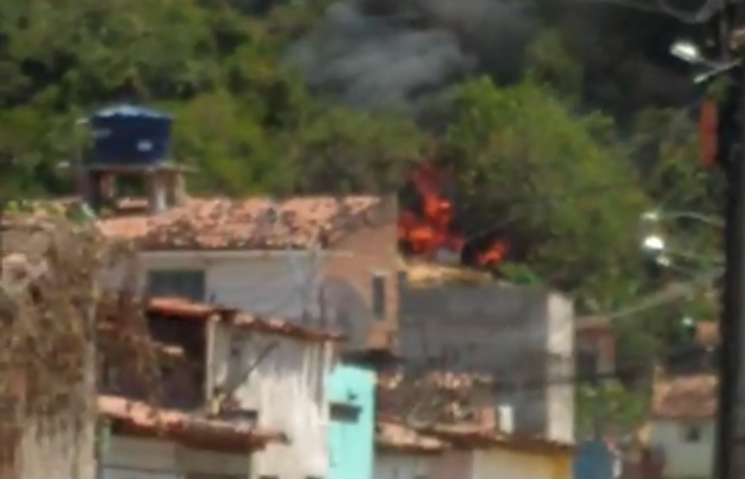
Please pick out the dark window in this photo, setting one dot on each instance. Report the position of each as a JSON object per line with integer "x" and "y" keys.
{"x": 378, "y": 295}
{"x": 692, "y": 432}
{"x": 344, "y": 412}
{"x": 189, "y": 284}
{"x": 587, "y": 364}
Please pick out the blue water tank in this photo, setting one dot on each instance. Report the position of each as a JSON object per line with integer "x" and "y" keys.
{"x": 129, "y": 135}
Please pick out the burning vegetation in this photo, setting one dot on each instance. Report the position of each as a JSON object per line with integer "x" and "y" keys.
{"x": 427, "y": 225}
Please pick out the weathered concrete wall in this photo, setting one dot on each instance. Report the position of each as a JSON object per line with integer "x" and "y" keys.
{"x": 524, "y": 336}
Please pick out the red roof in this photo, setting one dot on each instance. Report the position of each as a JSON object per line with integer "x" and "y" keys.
{"x": 143, "y": 419}
{"x": 182, "y": 308}
{"x": 685, "y": 397}
{"x": 221, "y": 223}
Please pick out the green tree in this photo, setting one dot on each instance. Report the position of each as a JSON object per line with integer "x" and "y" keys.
{"x": 570, "y": 200}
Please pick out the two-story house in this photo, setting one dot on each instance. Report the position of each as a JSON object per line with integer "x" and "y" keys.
{"x": 157, "y": 416}
{"x": 255, "y": 373}
{"x": 314, "y": 260}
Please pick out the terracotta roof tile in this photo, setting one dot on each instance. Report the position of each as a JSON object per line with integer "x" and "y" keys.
{"x": 180, "y": 426}
{"x": 182, "y": 308}
{"x": 685, "y": 397}
{"x": 221, "y": 223}
{"x": 474, "y": 436}
{"x": 396, "y": 436}
{"x": 438, "y": 396}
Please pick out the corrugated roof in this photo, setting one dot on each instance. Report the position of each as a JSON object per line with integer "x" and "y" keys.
{"x": 224, "y": 224}
{"x": 685, "y": 397}
{"x": 183, "y": 308}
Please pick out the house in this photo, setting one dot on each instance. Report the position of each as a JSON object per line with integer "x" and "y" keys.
{"x": 273, "y": 373}
{"x": 462, "y": 321}
{"x": 351, "y": 395}
{"x": 403, "y": 453}
{"x": 467, "y": 450}
{"x": 140, "y": 441}
{"x": 318, "y": 261}
{"x": 249, "y": 372}
{"x": 681, "y": 426}
{"x": 479, "y": 453}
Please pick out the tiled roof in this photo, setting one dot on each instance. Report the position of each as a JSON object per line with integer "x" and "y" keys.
{"x": 474, "y": 436}
{"x": 182, "y": 308}
{"x": 221, "y": 223}
{"x": 685, "y": 397}
{"x": 438, "y": 396}
{"x": 146, "y": 419}
{"x": 393, "y": 435}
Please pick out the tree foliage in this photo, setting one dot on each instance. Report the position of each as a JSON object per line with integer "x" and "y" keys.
{"x": 561, "y": 160}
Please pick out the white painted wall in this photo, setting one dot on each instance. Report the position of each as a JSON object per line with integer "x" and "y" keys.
{"x": 391, "y": 465}
{"x": 683, "y": 458}
{"x": 282, "y": 285}
{"x": 497, "y": 463}
{"x": 138, "y": 458}
{"x": 135, "y": 458}
{"x": 286, "y": 388}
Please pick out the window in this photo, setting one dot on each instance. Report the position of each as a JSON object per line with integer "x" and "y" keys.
{"x": 189, "y": 284}
{"x": 341, "y": 412}
{"x": 692, "y": 433}
{"x": 378, "y": 295}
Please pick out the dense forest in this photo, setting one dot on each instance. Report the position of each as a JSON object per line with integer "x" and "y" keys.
{"x": 562, "y": 120}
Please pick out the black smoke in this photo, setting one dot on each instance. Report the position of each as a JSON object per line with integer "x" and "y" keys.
{"x": 383, "y": 54}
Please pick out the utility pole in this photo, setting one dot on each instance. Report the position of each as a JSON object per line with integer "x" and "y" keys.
{"x": 730, "y": 441}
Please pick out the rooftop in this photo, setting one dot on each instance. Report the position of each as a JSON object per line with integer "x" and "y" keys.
{"x": 182, "y": 308}
{"x": 225, "y": 224}
{"x": 141, "y": 418}
{"x": 424, "y": 274}
{"x": 685, "y": 397}
{"x": 396, "y": 436}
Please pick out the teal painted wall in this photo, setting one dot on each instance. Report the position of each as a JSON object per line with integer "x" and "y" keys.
{"x": 351, "y": 435}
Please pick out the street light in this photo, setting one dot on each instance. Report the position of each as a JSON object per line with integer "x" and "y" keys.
{"x": 656, "y": 216}
{"x": 690, "y": 53}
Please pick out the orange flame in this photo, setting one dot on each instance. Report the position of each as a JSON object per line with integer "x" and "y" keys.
{"x": 430, "y": 232}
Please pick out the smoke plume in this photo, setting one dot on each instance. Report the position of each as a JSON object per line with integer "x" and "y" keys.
{"x": 385, "y": 54}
